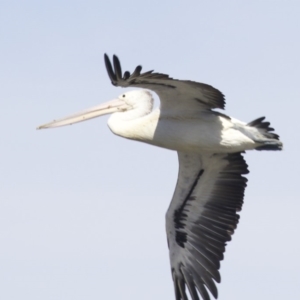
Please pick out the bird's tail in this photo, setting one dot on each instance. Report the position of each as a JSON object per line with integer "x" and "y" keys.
{"x": 271, "y": 140}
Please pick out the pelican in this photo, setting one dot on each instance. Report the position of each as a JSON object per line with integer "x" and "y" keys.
{"x": 203, "y": 213}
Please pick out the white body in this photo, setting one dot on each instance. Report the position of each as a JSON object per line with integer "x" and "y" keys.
{"x": 203, "y": 132}
{"x": 194, "y": 131}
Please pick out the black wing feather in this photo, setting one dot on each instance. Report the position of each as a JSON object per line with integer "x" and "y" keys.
{"x": 165, "y": 86}
{"x": 117, "y": 67}
{"x": 206, "y": 224}
{"x": 110, "y": 70}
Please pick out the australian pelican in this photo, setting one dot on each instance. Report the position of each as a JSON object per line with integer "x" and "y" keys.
{"x": 203, "y": 213}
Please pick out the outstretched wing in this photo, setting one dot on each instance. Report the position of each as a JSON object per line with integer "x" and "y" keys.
{"x": 201, "y": 219}
{"x": 172, "y": 92}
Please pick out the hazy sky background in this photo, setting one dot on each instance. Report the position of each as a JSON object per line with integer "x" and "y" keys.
{"x": 82, "y": 212}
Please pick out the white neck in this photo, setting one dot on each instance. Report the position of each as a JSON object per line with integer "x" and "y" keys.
{"x": 129, "y": 124}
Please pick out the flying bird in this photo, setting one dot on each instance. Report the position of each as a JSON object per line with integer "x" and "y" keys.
{"x": 203, "y": 213}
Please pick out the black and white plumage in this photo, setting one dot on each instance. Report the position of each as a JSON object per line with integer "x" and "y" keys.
{"x": 209, "y": 193}
{"x": 166, "y": 87}
{"x": 202, "y": 217}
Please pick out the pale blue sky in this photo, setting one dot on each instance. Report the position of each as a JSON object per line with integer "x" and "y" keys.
{"x": 81, "y": 210}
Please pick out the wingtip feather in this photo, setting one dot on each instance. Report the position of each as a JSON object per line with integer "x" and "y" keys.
{"x": 109, "y": 69}
{"x": 117, "y": 67}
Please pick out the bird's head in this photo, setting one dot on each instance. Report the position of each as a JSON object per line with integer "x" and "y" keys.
{"x": 138, "y": 103}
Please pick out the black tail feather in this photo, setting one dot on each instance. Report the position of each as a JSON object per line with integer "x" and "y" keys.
{"x": 265, "y": 126}
{"x": 269, "y": 147}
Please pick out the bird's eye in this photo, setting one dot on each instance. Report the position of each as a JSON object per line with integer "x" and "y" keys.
{"x": 123, "y": 96}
